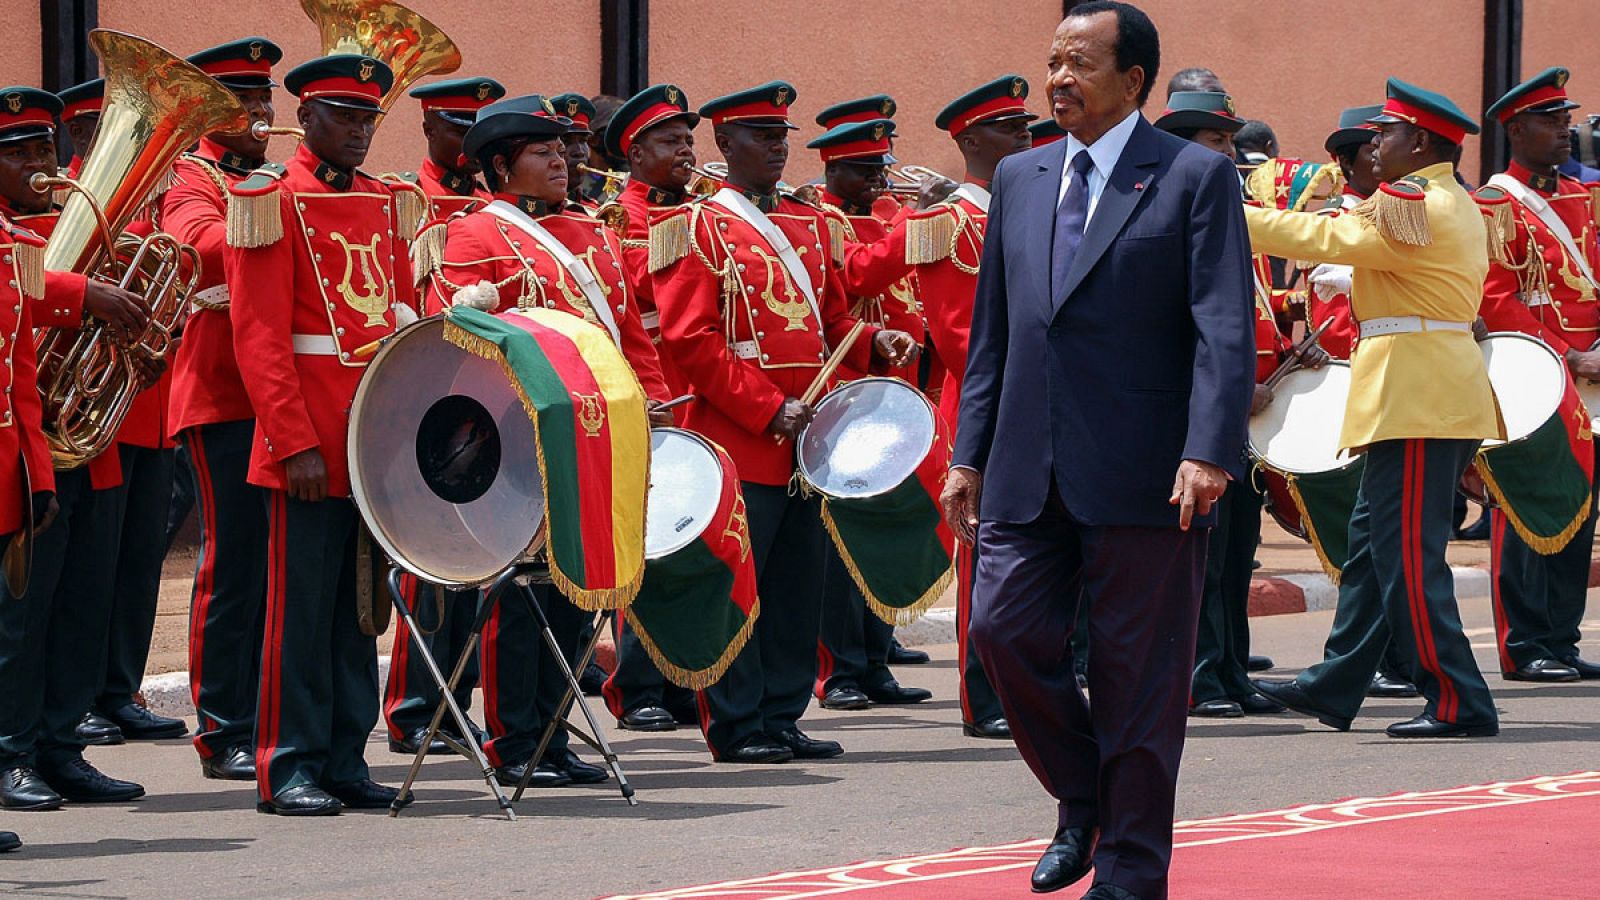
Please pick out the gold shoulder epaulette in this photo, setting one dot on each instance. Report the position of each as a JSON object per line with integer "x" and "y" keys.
{"x": 411, "y": 204}
{"x": 1594, "y": 200}
{"x": 669, "y": 238}
{"x": 931, "y": 234}
{"x": 1399, "y": 210}
{"x": 1499, "y": 219}
{"x": 427, "y": 250}
{"x": 838, "y": 232}
{"x": 805, "y": 193}
{"x": 29, "y": 251}
{"x": 255, "y": 218}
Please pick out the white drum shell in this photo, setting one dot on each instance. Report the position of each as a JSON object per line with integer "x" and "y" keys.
{"x": 1298, "y": 432}
{"x": 1529, "y": 380}
{"x": 685, "y": 490}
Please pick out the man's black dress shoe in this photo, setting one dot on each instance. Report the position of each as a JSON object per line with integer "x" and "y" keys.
{"x": 232, "y": 764}
{"x": 758, "y": 748}
{"x": 21, "y": 788}
{"x": 685, "y": 711}
{"x": 1477, "y": 531}
{"x": 9, "y": 841}
{"x": 1105, "y": 890}
{"x": 997, "y": 728}
{"x": 544, "y": 776}
{"x": 900, "y": 656}
{"x": 407, "y": 746}
{"x": 576, "y": 770}
{"x": 1585, "y": 669}
{"x": 805, "y": 747}
{"x": 1426, "y": 726}
{"x": 1259, "y": 663}
{"x": 77, "y": 781}
{"x": 1069, "y": 857}
{"x": 1390, "y": 686}
{"x": 365, "y": 794}
{"x": 301, "y": 800}
{"x": 1258, "y": 704}
{"x": 1216, "y": 709}
{"x": 648, "y": 718}
{"x": 1083, "y": 680}
{"x": 96, "y": 730}
{"x": 845, "y": 697}
{"x": 138, "y": 723}
{"x": 592, "y": 680}
{"x": 891, "y": 693}
{"x": 1543, "y": 670}
{"x": 1292, "y": 695}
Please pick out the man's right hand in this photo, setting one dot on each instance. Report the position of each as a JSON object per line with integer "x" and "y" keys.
{"x": 792, "y": 418}
{"x": 122, "y": 311}
{"x": 963, "y": 488}
{"x": 1584, "y": 363}
{"x": 933, "y": 191}
{"x": 308, "y": 475}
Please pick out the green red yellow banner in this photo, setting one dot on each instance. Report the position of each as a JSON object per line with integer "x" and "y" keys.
{"x": 1544, "y": 482}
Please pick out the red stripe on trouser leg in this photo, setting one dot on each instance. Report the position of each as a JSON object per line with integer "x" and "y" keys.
{"x": 964, "y": 578}
{"x": 704, "y": 709}
{"x": 824, "y": 668}
{"x": 394, "y": 692}
{"x": 489, "y": 679}
{"x": 1502, "y": 625}
{"x": 204, "y": 585}
{"x": 272, "y": 647}
{"x": 1412, "y": 506}
{"x": 608, "y": 689}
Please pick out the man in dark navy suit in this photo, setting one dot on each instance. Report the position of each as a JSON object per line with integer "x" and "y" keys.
{"x": 1109, "y": 376}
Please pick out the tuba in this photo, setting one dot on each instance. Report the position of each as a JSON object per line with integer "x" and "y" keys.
{"x": 156, "y": 106}
{"x": 407, "y": 43}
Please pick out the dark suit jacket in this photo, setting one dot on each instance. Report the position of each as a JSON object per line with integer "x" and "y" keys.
{"x": 1144, "y": 358}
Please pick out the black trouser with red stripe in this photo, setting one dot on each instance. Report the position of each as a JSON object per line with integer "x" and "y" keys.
{"x": 319, "y": 673}
{"x": 410, "y": 697}
{"x": 228, "y": 606}
{"x": 147, "y": 490}
{"x": 522, "y": 681}
{"x": 853, "y": 650}
{"x": 979, "y": 703}
{"x": 1397, "y": 583}
{"x": 635, "y": 682}
{"x": 768, "y": 687}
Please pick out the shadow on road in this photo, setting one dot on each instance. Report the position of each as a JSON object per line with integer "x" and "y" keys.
{"x": 115, "y": 847}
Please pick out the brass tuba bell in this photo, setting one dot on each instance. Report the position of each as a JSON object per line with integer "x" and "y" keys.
{"x": 407, "y": 43}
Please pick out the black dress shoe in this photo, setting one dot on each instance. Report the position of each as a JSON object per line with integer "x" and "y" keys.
{"x": 544, "y": 776}
{"x": 805, "y": 747}
{"x": 891, "y": 693}
{"x": 407, "y": 746}
{"x": 1069, "y": 857}
{"x": 1216, "y": 709}
{"x": 1477, "y": 531}
{"x": 1585, "y": 669}
{"x": 448, "y": 729}
{"x": 96, "y": 730}
{"x": 77, "y": 781}
{"x": 592, "y": 680}
{"x": 232, "y": 764}
{"x": 21, "y": 788}
{"x": 996, "y": 728}
{"x": 1391, "y": 686}
{"x": 1293, "y": 696}
{"x": 1259, "y": 663}
{"x": 1547, "y": 671}
{"x": 1259, "y": 704}
{"x": 301, "y": 800}
{"x": 648, "y": 718}
{"x": 900, "y": 656}
{"x": 685, "y": 712}
{"x": 845, "y": 698}
{"x": 140, "y": 724}
{"x": 1105, "y": 890}
{"x": 9, "y": 841}
{"x": 365, "y": 794}
{"x": 1426, "y": 726}
{"x": 756, "y": 749}
{"x": 576, "y": 770}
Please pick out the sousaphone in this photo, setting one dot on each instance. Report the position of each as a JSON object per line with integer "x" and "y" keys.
{"x": 407, "y": 43}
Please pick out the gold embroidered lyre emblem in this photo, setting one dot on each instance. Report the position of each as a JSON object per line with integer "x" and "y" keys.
{"x": 255, "y": 51}
{"x": 14, "y": 103}
{"x": 780, "y": 97}
{"x": 483, "y": 91}
{"x": 373, "y": 298}
{"x": 672, "y": 94}
{"x": 792, "y": 307}
{"x": 738, "y": 527}
{"x": 365, "y": 73}
{"x": 591, "y": 413}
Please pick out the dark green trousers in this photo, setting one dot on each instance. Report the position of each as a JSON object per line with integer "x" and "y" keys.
{"x": 1397, "y": 583}
{"x": 522, "y": 681}
{"x": 147, "y": 489}
{"x": 410, "y": 695}
{"x": 853, "y": 649}
{"x": 1222, "y": 646}
{"x": 636, "y": 683}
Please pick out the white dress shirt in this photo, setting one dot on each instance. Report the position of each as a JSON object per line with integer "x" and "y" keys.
{"x": 1104, "y": 152}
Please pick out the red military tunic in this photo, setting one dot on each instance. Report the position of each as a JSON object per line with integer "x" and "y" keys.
{"x": 449, "y": 192}
{"x": 947, "y": 277}
{"x": 20, "y": 436}
{"x": 1330, "y": 303}
{"x": 741, "y": 329}
{"x": 1551, "y": 298}
{"x": 490, "y": 247}
{"x": 645, "y": 205}
{"x": 873, "y": 267}
{"x": 1270, "y": 342}
{"x": 306, "y": 302}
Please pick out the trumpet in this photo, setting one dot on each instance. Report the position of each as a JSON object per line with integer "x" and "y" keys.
{"x": 261, "y": 131}
{"x": 707, "y": 177}
{"x": 613, "y": 181}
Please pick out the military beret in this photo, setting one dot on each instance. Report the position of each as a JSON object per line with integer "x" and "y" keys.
{"x": 457, "y": 101}
{"x": 1543, "y": 93}
{"x": 1424, "y": 109}
{"x": 864, "y": 109}
{"x": 242, "y": 64}
{"x": 763, "y": 106}
{"x": 345, "y": 79}
{"x": 996, "y": 101}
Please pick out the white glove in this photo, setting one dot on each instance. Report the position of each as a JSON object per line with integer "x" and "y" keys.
{"x": 1331, "y": 279}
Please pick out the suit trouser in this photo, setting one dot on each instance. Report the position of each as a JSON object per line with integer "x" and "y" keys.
{"x": 53, "y": 639}
{"x": 768, "y": 687}
{"x": 853, "y": 650}
{"x": 319, "y": 673}
{"x": 522, "y": 681}
{"x": 635, "y": 682}
{"x": 1222, "y": 649}
{"x": 1113, "y": 763}
{"x": 228, "y": 606}
{"x": 1398, "y": 585}
{"x": 147, "y": 486}
{"x": 410, "y": 696}
{"x": 1539, "y": 600}
{"x": 979, "y": 702}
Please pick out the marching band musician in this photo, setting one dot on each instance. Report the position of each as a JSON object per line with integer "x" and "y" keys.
{"x": 1545, "y": 287}
{"x": 318, "y": 269}
{"x": 214, "y": 421}
{"x": 750, "y": 308}
{"x": 80, "y": 117}
{"x": 53, "y": 637}
{"x": 531, "y": 248}
{"x": 582, "y": 188}
{"x": 448, "y": 176}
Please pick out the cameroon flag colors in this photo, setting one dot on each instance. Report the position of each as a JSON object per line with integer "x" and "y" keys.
{"x": 1543, "y": 482}
{"x": 1326, "y": 501}
{"x": 588, "y": 415}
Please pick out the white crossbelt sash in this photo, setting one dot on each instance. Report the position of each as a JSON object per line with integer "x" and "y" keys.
{"x": 1537, "y": 205}
{"x": 577, "y": 268}
{"x": 738, "y": 204}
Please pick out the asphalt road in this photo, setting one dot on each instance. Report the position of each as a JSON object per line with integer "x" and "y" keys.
{"x": 909, "y": 783}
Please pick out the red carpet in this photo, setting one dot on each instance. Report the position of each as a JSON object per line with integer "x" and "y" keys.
{"x": 1518, "y": 839}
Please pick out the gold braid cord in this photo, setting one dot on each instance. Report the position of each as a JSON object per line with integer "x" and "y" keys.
{"x": 930, "y": 238}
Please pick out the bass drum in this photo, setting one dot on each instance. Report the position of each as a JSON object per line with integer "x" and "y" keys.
{"x": 1298, "y": 432}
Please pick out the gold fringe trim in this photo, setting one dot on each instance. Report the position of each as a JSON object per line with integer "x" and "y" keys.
{"x": 1544, "y": 546}
{"x": 411, "y": 207}
{"x": 1501, "y": 224}
{"x": 1594, "y": 203}
{"x": 30, "y": 269}
{"x": 889, "y": 614}
{"x": 930, "y": 238}
{"x": 1398, "y": 219}
{"x": 427, "y": 251}
{"x": 1333, "y": 572}
{"x": 694, "y": 680}
{"x": 254, "y": 221}
{"x": 836, "y": 240}
{"x": 669, "y": 242}
{"x": 1261, "y": 185}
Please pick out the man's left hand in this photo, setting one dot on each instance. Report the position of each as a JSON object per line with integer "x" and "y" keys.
{"x": 1196, "y": 489}
{"x": 895, "y": 347}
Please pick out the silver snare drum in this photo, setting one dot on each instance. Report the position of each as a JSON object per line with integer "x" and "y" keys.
{"x": 867, "y": 438}
{"x": 686, "y": 483}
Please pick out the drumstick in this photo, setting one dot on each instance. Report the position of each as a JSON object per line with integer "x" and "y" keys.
{"x": 675, "y": 402}
{"x": 1292, "y": 363}
{"x": 828, "y": 368}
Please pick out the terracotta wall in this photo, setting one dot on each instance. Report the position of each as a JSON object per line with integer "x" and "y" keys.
{"x": 1553, "y": 35}
{"x": 20, "y": 63}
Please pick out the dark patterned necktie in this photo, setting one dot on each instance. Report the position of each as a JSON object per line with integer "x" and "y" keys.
{"x": 1071, "y": 216}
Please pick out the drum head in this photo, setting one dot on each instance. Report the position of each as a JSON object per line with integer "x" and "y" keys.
{"x": 1589, "y": 393}
{"x": 685, "y": 491}
{"x": 443, "y": 464}
{"x": 1298, "y": 432}
{"x": 1528, "y": 380}
{"x": 867, "y": 437}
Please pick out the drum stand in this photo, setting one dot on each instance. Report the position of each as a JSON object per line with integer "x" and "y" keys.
{"x": 522, "y": 575}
